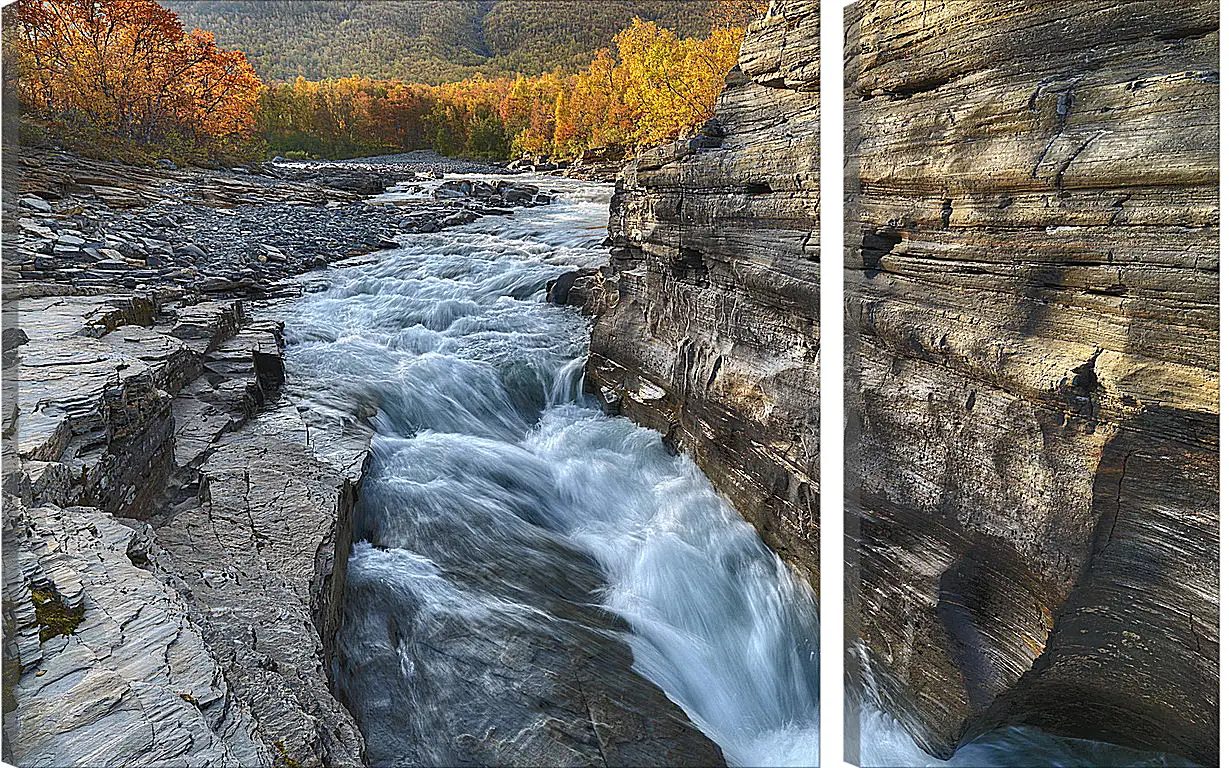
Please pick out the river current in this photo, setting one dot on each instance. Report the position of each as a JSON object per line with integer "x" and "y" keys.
{"x": 484, "y": 442}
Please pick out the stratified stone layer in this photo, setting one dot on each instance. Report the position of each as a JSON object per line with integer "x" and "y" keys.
{"x": 198, "y": 635}
{"x": 1031, "y": 283}
{"x": 708, "y": 316}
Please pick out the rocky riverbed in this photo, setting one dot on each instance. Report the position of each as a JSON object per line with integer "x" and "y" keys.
{"x": 89, "y": 225}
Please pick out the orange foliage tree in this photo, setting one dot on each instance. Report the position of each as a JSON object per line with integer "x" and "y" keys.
{"x": 647, "y": 89}
{"x": 128, "y": 68}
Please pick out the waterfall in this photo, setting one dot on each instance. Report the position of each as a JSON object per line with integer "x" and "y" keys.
{"x": 491, "y": 471}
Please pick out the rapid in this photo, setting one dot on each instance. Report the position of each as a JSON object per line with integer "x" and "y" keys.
{"x": 489, "y": 465}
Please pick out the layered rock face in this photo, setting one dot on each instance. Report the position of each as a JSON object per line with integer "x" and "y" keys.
{"x": 1031, "y": 283}
{"x": 198, "y": 634}
{"x": 707, "y": 323}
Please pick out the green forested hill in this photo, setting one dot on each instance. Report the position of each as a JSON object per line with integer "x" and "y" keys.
{"x": 428, "y": 41}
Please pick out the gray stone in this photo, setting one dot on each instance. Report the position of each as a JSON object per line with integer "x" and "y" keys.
{"x": 112, "y": 265}
{"x": 134, "y": 678}
{"x": 209, "y": 651}
{"x": 188, "y": 251}
{"x": 272, "y": 253}
{"x": 35, "y": 229}
{"x": 216, "y": 284}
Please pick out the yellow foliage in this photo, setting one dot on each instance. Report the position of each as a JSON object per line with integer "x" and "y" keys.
{"x": 645, "y": 90}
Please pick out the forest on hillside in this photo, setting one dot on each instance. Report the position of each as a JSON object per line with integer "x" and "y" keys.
{"x": 644, "y": 90}
{"x": 426, "y": 41}
{"x": 127, "y": 79}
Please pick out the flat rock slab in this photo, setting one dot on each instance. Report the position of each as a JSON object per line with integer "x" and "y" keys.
{"x": 134, "y": 677}
{"x": 255, "y": 551}
{"x": 163, "y": 408}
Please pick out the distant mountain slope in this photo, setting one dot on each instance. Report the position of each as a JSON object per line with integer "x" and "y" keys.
{"x": 534, "y": 36}
{"x": 428, "y": 41}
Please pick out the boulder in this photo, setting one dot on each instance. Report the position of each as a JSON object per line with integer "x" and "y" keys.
{"x": 574, "y": 288}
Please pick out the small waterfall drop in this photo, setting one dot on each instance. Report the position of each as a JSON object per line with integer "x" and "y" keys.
{"x": 490, "y": 469}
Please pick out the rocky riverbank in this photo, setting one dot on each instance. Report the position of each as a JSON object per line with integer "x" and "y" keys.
{"x": 161, "y": 559}
{"x": 90, "y": 225}
{"x": 707, "y": 322}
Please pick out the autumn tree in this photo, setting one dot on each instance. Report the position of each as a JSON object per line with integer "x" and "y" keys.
{"x": 645, "y": 90}
{"x": 727, "y": 14}
{"x": 128, "y": 68}
{"x": 673, "y": 82}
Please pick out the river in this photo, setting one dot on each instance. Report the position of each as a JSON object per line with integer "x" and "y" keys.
{"x": 486, "y": 452}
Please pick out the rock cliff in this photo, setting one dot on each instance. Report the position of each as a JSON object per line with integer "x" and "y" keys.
{"x": 1031, "y": 281}
{"x": 707, "y": 324}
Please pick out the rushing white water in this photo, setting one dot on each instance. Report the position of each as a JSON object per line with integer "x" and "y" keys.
{"x": 484, "y": 444}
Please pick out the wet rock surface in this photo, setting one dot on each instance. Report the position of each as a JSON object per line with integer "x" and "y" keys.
{"x": 578, "y": 288}
{"x": 1031, "y": 274}
{"x": 707, "y": 323}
